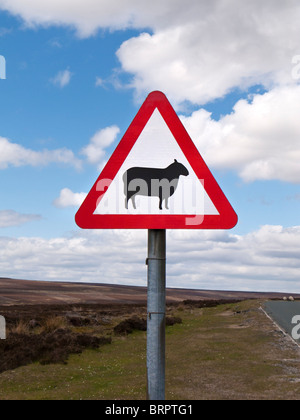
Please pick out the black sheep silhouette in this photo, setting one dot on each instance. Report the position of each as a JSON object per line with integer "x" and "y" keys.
{"x": 153, "y": 182}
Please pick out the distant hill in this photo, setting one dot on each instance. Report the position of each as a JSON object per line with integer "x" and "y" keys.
{"x": 28, "y": 292}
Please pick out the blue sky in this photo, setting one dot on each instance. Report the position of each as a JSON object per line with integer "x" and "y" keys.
{"x": 76, "y": 77}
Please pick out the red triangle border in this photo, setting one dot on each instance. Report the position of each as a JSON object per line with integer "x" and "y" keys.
{"x": 227, "y": 218}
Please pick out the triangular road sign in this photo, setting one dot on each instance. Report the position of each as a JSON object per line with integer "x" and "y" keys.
{"x": 156, "y": 179}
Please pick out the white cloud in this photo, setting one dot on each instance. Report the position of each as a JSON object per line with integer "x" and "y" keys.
{"x": 13, "y": 154}
{"x": 9, "y": 218}
{"x": 223, "y": 46}
{"x": 68, "y": 198}
{"x": 62, "y": 79}
{"x": 195, "y": 50}
{"x": 89, "y": 16}
{"x": 265, "y": 260}
{"x": 100, "y": 82}
{"x": 260, "y": 139}
{"x": 95, "y": 150}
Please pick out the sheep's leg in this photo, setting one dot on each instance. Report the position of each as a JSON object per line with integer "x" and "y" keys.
{"x": 167, "y": 203}
{"x": 160, "y": 198}
{"x": 131, "y": 196}
{"x": 133, "y": 202}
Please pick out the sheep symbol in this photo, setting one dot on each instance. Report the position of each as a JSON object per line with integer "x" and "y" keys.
{"x": 153, "y": 182}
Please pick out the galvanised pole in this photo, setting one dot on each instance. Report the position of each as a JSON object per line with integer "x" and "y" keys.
{"x": 156, "y": 325}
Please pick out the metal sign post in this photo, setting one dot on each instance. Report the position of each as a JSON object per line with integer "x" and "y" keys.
{"x": 156, "y": 314}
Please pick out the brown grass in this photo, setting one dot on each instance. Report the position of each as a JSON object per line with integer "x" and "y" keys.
{"x": 21, "y": 327}
{"x": 52, "y": 324}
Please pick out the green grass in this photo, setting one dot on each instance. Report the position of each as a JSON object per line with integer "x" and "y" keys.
{"x": 117, "y": 369}
{"x": 214, "y": 354}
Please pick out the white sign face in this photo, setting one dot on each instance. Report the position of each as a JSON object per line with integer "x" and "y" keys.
{"x": 156, "y": 148}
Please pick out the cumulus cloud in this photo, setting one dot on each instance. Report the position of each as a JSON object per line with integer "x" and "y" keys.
{"x": 225, "y": 45}
{"x": 89, "y": 256}
{"x": 13, "y": 154}
{"x": 68, "y": 198}
{"x": 9, "y": 218}
{"x": 95, "y": 150}
{"x": 195, "y": 50}
{"x": 62, "y": 79}
{"x": 260, "y": 139}
{"x": 265, "y": 260}
{"x": 92, "y": 15}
